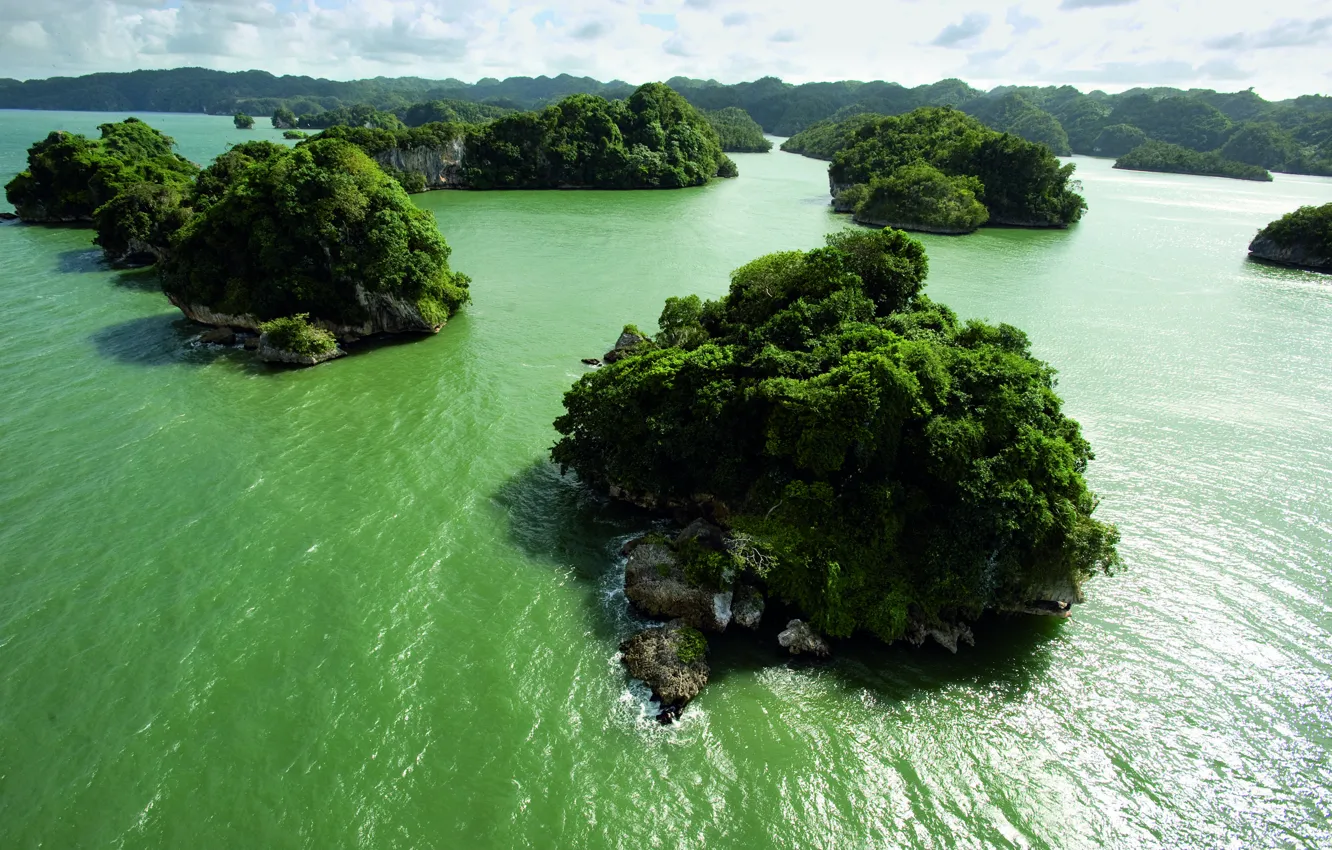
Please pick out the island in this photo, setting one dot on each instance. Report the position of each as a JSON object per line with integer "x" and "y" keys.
{"x": 69, "y": 176}
{"x": 652, "y": 140}
{"x": 939, "y": 170}
{"x": 1176, "y": 159}
{"x": 846, "y": 446}
{"x": 1302, "y": 239}
{"x": 242, "y": 121}
{"x": 317, "y": 235}
{"x": 738, "y": 132}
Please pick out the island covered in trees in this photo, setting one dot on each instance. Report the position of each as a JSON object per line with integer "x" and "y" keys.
{"x": 738, "y": 132}
{"x": 1302, "y": 238}
{"x": 869, "y": 460}
{"x": 1176, "y": 159}
{"x": 939, "y": 170}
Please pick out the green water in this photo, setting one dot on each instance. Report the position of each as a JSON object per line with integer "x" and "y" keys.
{"x": 352, "y": 605}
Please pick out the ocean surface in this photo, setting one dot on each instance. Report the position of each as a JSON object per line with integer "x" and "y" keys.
{"x": 354, "y": 606}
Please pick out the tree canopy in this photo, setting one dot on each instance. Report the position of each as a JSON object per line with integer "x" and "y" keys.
{"x": 242, "y": 121}
{"x": 1161, "y": 156}
{"x": 69, "y": 176}
{"x": 737, "y": 131}
{"x": 893, "y": 465}
{"x": 301, "y": 230}
{"x": 1310, "y": 227}
{"x": 1019, "y": 182}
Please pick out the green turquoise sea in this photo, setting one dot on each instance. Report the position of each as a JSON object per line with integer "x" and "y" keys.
{"x": 354, "y": 606}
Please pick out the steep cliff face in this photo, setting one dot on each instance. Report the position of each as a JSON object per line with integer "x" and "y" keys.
{"x": 442, "y": 168}
{"x": 1303, "y": 255}
{"x": 385, "y": 314}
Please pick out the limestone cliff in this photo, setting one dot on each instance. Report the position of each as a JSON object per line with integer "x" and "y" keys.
{"x": 442, "y": 167}
{"x": 1302, "y": 254}
{"x": 384, "y": 313}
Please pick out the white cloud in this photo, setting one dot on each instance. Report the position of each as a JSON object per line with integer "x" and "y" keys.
{"x": 1108, "y": 43}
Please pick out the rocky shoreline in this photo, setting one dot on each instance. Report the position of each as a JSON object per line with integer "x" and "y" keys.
{"x": 1297, "y": 255}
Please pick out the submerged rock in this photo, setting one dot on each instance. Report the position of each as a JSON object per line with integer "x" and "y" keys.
{"x": 655, "y": 583}
{"x": 270, "y": 353}
{"x": 591, "y": 361}
{"x": 800, "y": 638}
{"x": 218, "y": 336}
{"x": 946, "y": 636}
{"x": 672, "y": 661}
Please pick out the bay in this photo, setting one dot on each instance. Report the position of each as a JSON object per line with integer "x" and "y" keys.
{"x": 355, "y": 606}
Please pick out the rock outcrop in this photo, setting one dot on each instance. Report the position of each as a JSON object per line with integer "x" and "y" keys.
{"x": 1301, "y": 255}
{"x": 1049, "y": 599}
{"x": 672, "y": 661}
{"x": 270, "y": 353}
{"x": 799, "y": 638}
{"x": 628, "y": 341}
{"x": 442, "y": 168}
{"x": 912, "y": 226}
{"x": 747, "y": 607}
{"x": 385, "y": 314}
{"x": 946, "y": 636}
{"x": 655, "y": 583}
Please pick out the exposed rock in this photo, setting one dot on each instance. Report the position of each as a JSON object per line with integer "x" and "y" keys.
{"x": 591, "y": 361}
{"x": 8, "y": 216}
{"x": 442, "y": 168}
{"x": 1303, "y": 256}
{"x": 627, "y": 342}
{"x": 747, "y": 606}
{"x": 136, "y": 253}
{"x": 272, "y": 354}
{"x": 672, "y": 661}
{"x": 251, "y": 343}
{"x": 705, "y": 533}
{"x": 913, "y": 226}
{"x": 655, "y": 583}
{"x": 946, "y": 636}
{"x": 36, "y": 213}
{"x": 799, "y": 638}
{"x": 384, "y": 314}
{"x": 218, "y": 336}
{"x": 1050, "y": 599}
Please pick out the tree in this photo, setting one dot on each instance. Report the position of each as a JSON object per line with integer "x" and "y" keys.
{"x": 284, "y": 119}
{"x": 897, "y": 468}
{"x": 243, "y": 121}
{"x": 1117, "y": 140}
{"x": 920, "y": 197}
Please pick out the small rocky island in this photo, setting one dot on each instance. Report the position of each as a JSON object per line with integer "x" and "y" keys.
{"x": 1302, "y": 239}
{"x": 938, "y": 170}
{"x": 850, "y": 453}
{"x": 654, "y": 139}
{"x": 305, "y": 248}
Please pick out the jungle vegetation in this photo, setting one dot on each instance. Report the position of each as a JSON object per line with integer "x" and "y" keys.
{"x": 1309, "y": 226}
{"x": 1017, "y": 181}
{"x": 300, "y": 230}
{"x": 70, "y": 176}
{"x": 737, "y": 131}
{"x": 885, "y": 464}
{"x": 242, "y": 121}
{"x": 1163, "y": 156}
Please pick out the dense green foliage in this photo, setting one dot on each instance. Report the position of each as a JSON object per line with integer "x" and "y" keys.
{"x": 825, "y": 138}
{"x": 1118, "y": 139}
{"x": 737, "y": 131}
{"x": 1019, "y": 182}
{"x": 284, "y": 119}
{"x": 1015, "y": 113}
{"x": 450, "y": 112}
{"x": 297, "y": 335}
{"x": 137, "y": 224}
{"x": 654, "y": 139}
{"x": 69, "y": 176}
{"x": 242, "y": 121}
{"x": 923, "y": 197}
{"x": 1308, "y": 226}
{"x": 891, "y": 464}
{"x": 1161, "y": 156}
{"x": 295, "y": 134}
{"x": 298, "y": 231}
{"x": 359, "y": 115}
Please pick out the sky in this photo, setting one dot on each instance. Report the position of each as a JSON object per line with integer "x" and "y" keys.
{"x": 1281, "y": 48}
